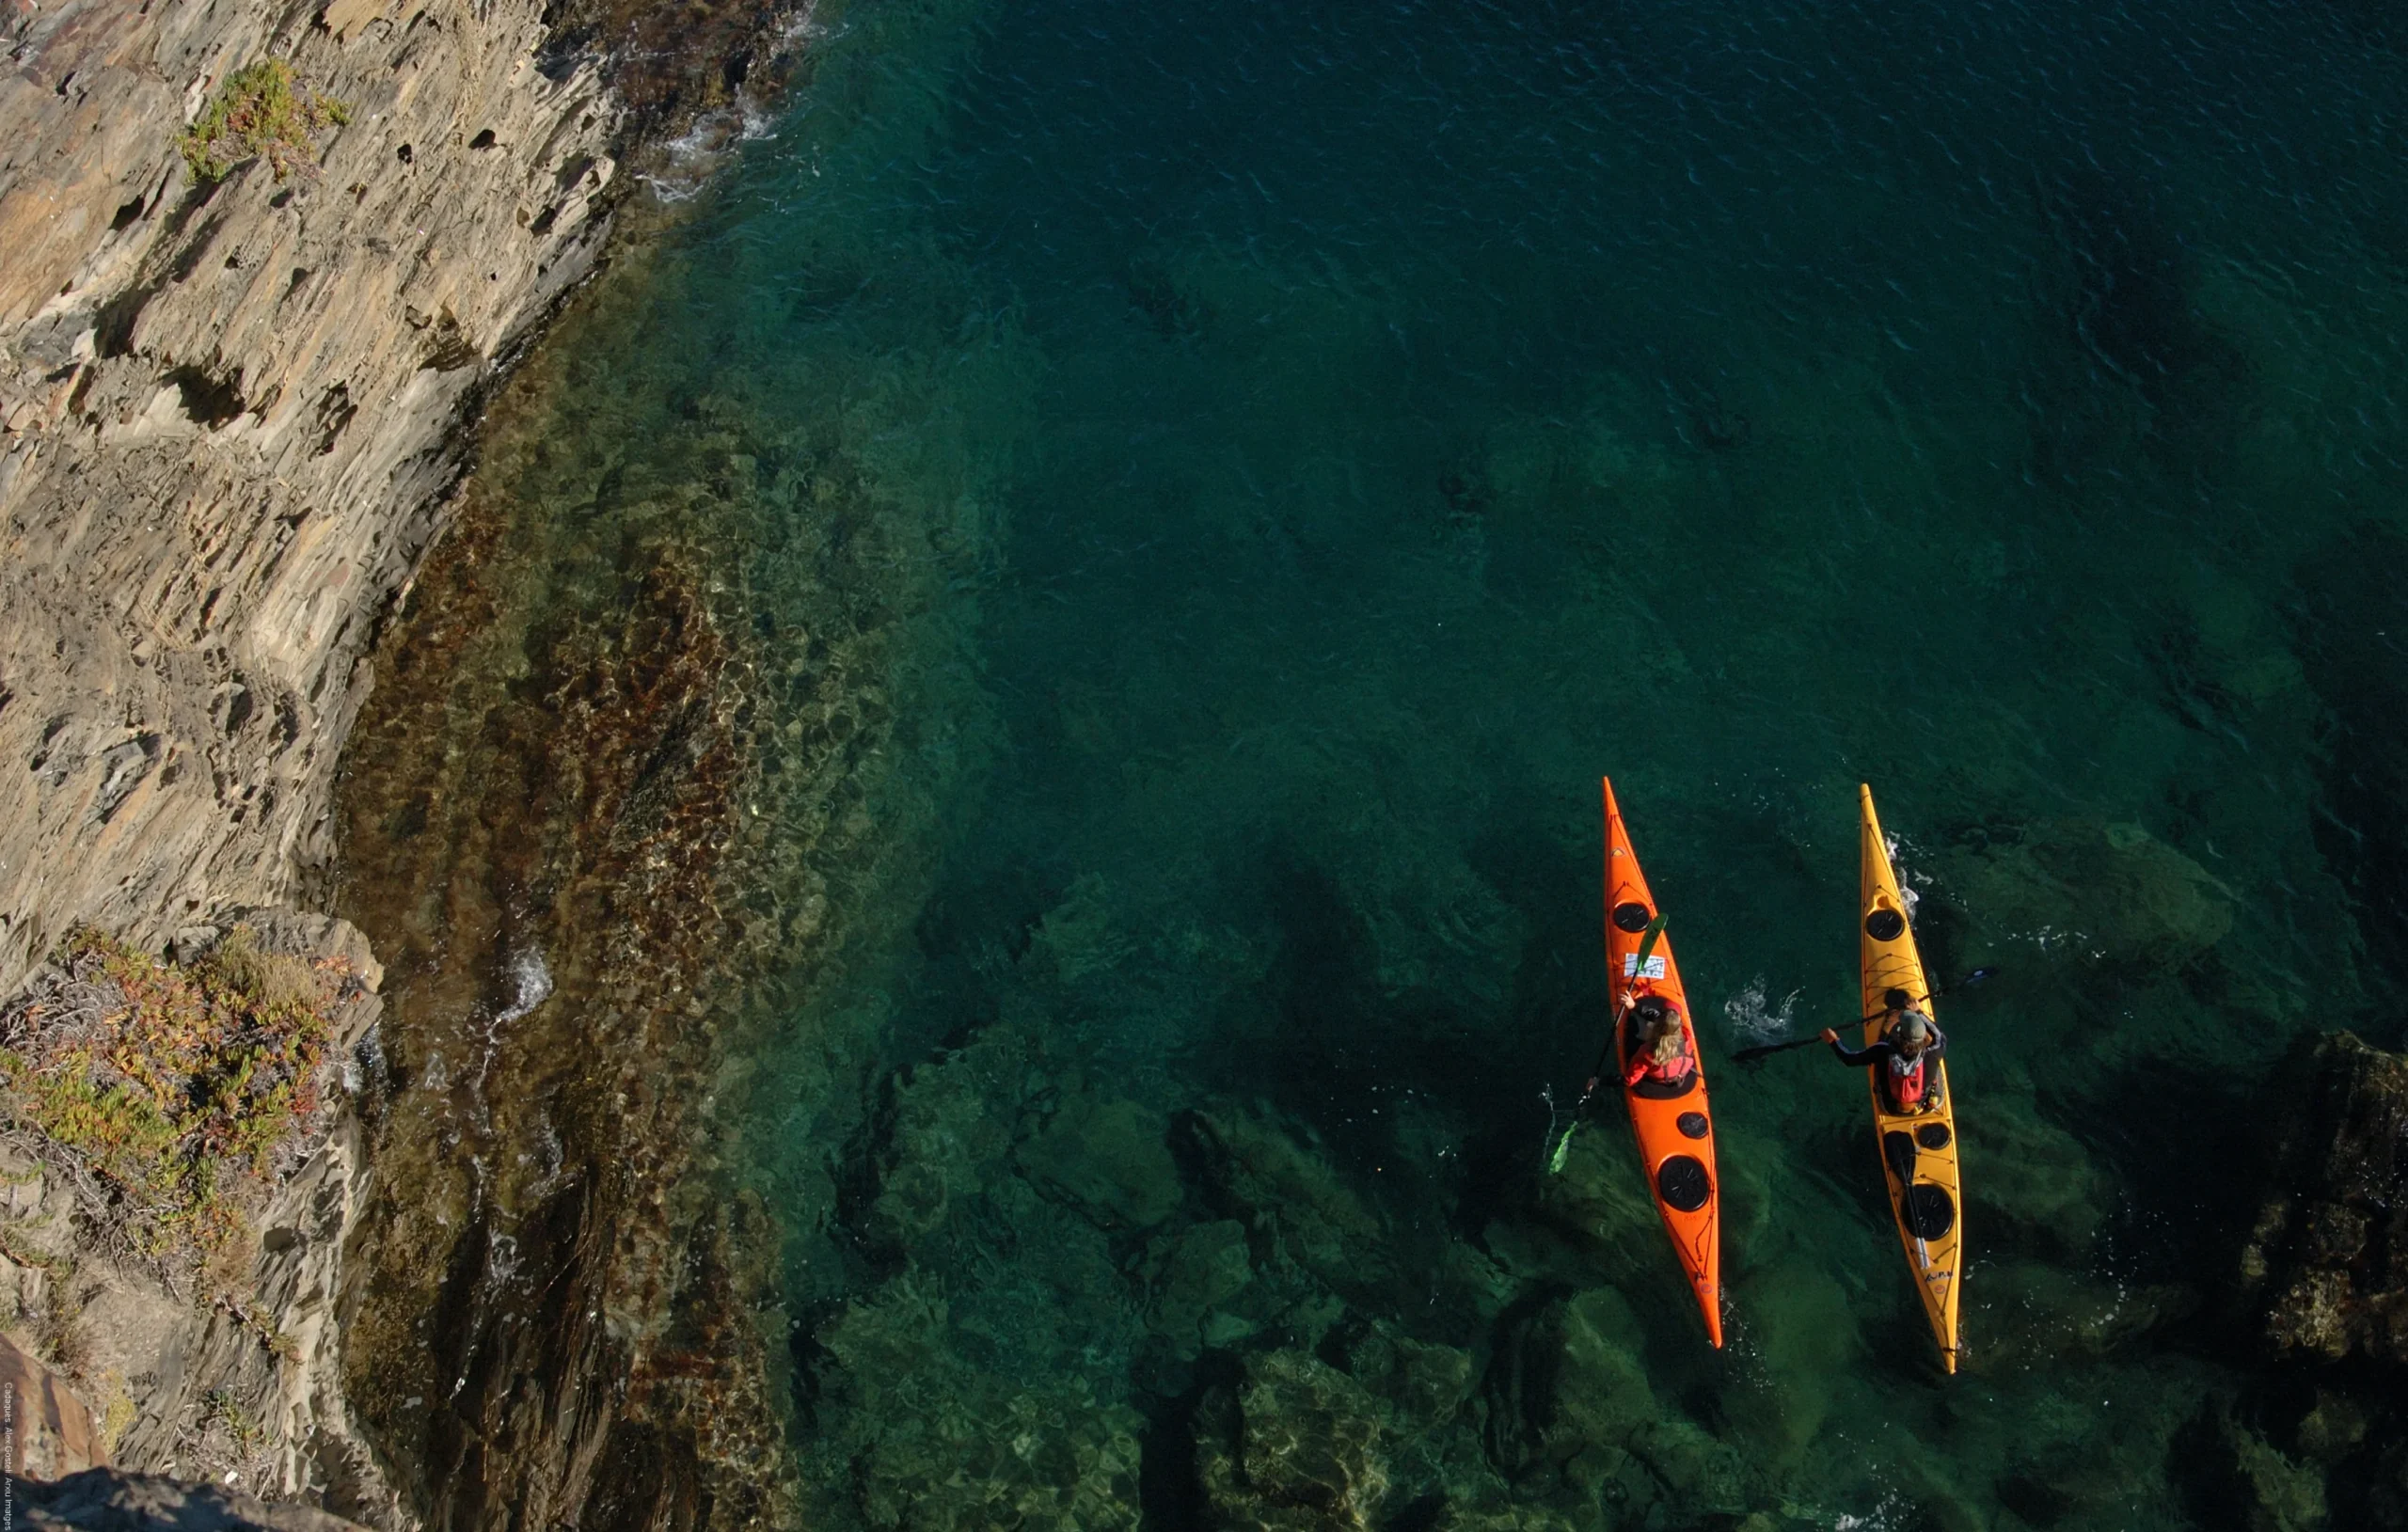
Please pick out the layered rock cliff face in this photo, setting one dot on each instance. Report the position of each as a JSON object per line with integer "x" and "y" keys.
{"x": 228, "y": 1371}
{"x": 227, "y": 414}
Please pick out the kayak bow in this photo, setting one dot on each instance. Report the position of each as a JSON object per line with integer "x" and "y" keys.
{"x": 1673, "y": 1125}
{"x": 1918, "y": 1150}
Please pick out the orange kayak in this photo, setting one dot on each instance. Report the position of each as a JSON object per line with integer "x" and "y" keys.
{"x": 1673, "y": 1124}
{"x": 1918, "y": 1150}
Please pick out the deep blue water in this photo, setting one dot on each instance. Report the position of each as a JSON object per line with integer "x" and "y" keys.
{"x": 1261, "y": 464}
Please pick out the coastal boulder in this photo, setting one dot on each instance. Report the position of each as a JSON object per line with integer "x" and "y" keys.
{"x": 2325, "y": 1269}
{"x": 50, "y": 1432}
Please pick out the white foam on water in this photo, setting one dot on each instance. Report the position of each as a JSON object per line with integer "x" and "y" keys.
{"x": 532, "y": 984}
{"x": 1902, "y": 853}
{"x": 1754, "y": 1020}
{"x": 1879, "y": 1519}
{"x": 756, "y": 124}
{"x": 807, "y": 27}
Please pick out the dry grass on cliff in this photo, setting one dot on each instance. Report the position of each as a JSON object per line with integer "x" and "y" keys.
{"x": 164, "y": 1092}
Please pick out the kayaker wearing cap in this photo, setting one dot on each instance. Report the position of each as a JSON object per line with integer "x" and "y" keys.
{"x": 1909, "y": 1045}
{"x": 1659, "y": 1050}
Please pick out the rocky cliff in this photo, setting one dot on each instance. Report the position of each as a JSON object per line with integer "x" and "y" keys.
{"x": 98, "y": 1500}
{"x": 225, "y": 1369}
{"x": 230, "y": 410}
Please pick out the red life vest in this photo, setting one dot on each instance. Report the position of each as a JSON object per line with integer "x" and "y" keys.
{"x": 1906, "y": 1079}
{"x": 1644, "y": 1064}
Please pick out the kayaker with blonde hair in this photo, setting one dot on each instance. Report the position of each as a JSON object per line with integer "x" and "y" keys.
{"x": 1659, "y": 1048}
{"x": 1911, "y": 1044}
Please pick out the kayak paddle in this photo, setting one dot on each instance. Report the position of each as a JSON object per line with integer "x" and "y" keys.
{"x": 1597, "y": 1070}
{"x": 1768, "y": 1050}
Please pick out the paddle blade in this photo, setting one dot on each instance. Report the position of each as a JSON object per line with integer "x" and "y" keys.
{"x": 1637, "y": 969}
{"x": 1647, "y": 943}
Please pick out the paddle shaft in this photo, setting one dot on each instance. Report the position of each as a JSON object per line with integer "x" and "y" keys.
{"x": 1622, "y": 1008}
{"x": 1767, "y": 1050}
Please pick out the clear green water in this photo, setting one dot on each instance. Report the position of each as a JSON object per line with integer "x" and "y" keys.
{"x": 1300, "y": 447}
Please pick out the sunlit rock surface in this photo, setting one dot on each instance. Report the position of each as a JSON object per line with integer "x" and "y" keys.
{"x": 50, "y": 1434}
{"x": 227, "y": 412}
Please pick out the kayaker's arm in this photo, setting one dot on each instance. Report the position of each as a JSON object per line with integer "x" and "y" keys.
{"x": 1858, "y": 1056}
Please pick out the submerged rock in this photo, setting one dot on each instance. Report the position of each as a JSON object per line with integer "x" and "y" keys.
{"x": 1295, "y": 1444}
{"x": 1799, "y": 1320}
{"x": 2239, "y": 1479}
{"x": 931, "y": 1440}
{"x": 2043, "y": 1193}
{"x": 2326, "y": 1265}
{"x": 1277, "y": 1186}
{"x": 1598, "y": 1204}
{"x": 2105, "y": 892}
{"x": 1573, "y": 1419}
{"x": 2323, "y": 1287}
{"x": 1424, "y": 1384}
{"x": 1108, "y": 1157}
{"x": 2036, "y": 1316}
{"x": 1206, "y": 1266}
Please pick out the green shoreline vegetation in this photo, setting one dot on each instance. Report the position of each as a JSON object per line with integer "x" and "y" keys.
{"x": 169, "y": 1087}
{"x": 262, "y": 109}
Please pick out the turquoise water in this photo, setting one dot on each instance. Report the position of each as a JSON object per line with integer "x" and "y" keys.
{"x": 1241, "y": 474}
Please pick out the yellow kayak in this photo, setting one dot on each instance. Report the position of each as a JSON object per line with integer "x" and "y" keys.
{"x": 1919, "y": 1150}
